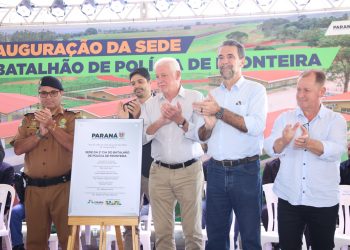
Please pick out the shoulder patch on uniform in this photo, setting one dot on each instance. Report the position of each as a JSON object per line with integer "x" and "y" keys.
{"x": 62, "y": 123}
{"x": 76, "y": 113}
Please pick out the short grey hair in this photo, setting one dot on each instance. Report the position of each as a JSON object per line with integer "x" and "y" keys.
{"x": 174, "y": 64}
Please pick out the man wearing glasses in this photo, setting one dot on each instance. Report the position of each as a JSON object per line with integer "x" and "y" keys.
{"x": 309, "y": 141}
{"x": 46, "y": 139}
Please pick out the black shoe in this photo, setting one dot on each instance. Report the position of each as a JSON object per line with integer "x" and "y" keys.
{"x": 18, "y": 247}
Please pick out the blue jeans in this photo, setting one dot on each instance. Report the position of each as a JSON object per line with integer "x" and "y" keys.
{"x": 17, "y": 216}
{"x": 235, "y": 188}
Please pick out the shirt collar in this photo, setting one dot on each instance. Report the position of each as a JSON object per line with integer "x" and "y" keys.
{"x": 180, "y": 93}
{"x": 237, "y": 85}
{"x": 59, "y": 111}
{"x": 321, "y": 113}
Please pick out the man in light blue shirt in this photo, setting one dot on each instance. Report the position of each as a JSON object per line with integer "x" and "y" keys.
{"x": 234, "y": 120}
{"x": 309, "y": 142}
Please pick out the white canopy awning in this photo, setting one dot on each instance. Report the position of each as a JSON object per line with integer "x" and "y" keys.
{"x": 132, "y": 11}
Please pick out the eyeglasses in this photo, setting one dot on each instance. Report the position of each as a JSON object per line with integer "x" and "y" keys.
{"x": 53, "y": 93}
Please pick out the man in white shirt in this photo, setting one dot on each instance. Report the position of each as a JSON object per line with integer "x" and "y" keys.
{"x": 235, "y": 117}
{"x": 176, "y": 173}
{"x": 309, "y": 142}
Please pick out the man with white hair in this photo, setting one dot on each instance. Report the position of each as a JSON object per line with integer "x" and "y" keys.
{"x": 176, "y": 173}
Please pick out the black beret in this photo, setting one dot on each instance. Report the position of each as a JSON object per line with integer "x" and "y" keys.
{"x": 51, "y": 81}
{"x": 140, "y": 71}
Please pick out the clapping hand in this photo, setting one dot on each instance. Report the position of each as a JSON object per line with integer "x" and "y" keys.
{"x": 172, "y": 113}
{"x": 134, "y": 108}
{"x": 123, "y": 113}
{"x": 207, "y": 108}
{"x": 301, "y": 141}
{"x": 44, "y": 117}
{"x": 288, "y": 133}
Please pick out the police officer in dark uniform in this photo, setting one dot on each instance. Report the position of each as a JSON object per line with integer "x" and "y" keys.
{"x": 46, "y": 139}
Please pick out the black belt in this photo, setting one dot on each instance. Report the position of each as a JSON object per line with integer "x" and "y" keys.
{"x": 232, "y": 163}
{"x": 47, "y": 182}
{"x": 177, "y": 165}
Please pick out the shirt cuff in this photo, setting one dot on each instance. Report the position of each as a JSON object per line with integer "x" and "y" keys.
{"x": 250, "y": 124}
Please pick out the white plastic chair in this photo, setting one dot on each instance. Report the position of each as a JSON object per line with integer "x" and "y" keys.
{"x": 342, "y": 234}
{"x": 110, "y": 237}
{"x": 146, "y": 231}
{"x": 270, "y": 235}
{"x": 53, "y": 242}
{"x": 5, "y": 219}
{"x": 232, "y": 233}
{"x": 87, "y": 231}
{"x": 204, "y": 237}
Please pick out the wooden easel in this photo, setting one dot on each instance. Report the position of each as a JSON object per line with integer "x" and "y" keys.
{"x": 104, "y": 221}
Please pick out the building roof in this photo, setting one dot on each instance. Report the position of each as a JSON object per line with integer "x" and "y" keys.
{"x": 337, "y": 98}
{"x": 9, "y": 129}
{"x": 126, "y": 90}
{"x": 113, "y": 79}
{"x": 10, "y": 102}
{"x": 346, "y": 117}
{"x": 195, "y": 81}
{"x": 272, "y": 75}
{"x": 102, "y": 109}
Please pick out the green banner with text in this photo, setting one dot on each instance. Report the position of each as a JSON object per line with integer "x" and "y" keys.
{"x": 297, "y": 59}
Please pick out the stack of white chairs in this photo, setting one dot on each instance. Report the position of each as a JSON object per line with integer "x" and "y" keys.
{"x": 5, "y": 218}
{"x": 342, "y": 234}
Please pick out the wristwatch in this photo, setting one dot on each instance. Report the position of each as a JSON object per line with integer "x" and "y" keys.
{"x": 40, "y": 136}
{"x": 182, "y": 124}
{"x": 220, "y": 113}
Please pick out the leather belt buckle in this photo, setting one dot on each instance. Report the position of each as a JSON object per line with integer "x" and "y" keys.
{"x": 38, "y": 182}
{"x": 233, "y": 163}
{"x": 227, "y": 163}
{"x": 176, "y": 165}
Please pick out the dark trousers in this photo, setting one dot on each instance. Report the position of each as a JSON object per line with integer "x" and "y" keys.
{"x": 292, "y": 221}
